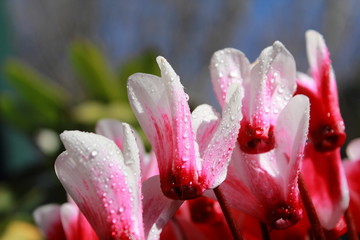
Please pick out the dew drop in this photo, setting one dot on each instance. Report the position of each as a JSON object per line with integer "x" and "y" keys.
{"x": 94, "y": 154}
{"x": 233, "y": 74}
{"x": 121, "y": 209}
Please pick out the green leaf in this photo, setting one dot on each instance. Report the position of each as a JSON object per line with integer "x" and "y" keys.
{"x": 90, "y": 64}
{"x": 33, "y": 87}
{"x": 27, "y": 116}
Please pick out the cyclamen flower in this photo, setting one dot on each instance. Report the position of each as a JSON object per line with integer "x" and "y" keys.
{"x": 268, "y": 83}
{"x": 262, "y": 175}
{"x": 322, "y": 168}
{"x": 192, "y": 150}
{"x": 105, "y": 183}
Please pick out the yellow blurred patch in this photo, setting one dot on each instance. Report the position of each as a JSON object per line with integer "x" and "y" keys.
{"x": 19, "y": 230}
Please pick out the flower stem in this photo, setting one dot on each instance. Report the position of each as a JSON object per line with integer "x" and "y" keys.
{"x": 316, "y": 227}
{"x": 264, "y": 231}
{"x": 352, "y": 233}
{"x": 227, "y": 213}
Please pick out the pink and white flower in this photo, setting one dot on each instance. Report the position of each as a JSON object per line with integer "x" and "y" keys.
{"x": 192, "y": 150}
{"x": 327, "y": 130}
{"x": 268, "y": 83}
{"x": 105, "y": 183}
{"x": 322, "y": 168}
{"x": 262, "y": 175}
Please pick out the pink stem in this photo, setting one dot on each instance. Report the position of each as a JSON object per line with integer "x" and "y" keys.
{"x": 316, "y": 227}
{"x": 227, "y": 213}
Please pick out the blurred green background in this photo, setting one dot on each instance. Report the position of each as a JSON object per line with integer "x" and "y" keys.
{"x": 64, "y": 65}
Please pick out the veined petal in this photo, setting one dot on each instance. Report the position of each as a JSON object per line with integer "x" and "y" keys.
{"x": 48, "y": 219}
{"x": 113, "y": 130}
{"x": 104, "y": 182}
{"x": 271, "y": 87}
{"x": 158, "y": 209}
{"x": 217, "y": 155}
{"x": 290, "y": 134}
{"x": 228, "y": 66}
{"x": 325, "y": 179}
{"x": 161, "y": 107}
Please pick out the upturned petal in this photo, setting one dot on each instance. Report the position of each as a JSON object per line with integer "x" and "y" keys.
{"x": 327, "y": 130}
{"x": 104, "y": 182}
{"x": 271, "y": 85}
{"x": 228, "y": 66}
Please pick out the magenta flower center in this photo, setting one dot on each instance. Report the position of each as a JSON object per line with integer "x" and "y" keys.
{"x": 255, "y": 139}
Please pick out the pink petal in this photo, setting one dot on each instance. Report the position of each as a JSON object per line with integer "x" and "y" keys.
{"x": 218, "y": 153}
{"x": 352, "y": 170}
{"x": 270, "y": 89}
{"x": 103, "y": 181}
{"x": 161, "y": 107}
{"x": 158, "y": 209}
{"x": 228, "y": 66}
{"x": 327, "y": 130}
{"x": 48, "y": 219}
{"x": 325, "y": 179}
{"x": 113, "y": 130}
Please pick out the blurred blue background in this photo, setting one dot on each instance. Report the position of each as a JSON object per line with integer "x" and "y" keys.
{"x": 40, "y": 33}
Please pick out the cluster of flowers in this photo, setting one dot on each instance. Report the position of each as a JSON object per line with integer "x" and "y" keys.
{"x": 269, "y": 161}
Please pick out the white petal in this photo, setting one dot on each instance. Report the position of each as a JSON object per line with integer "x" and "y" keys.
{"x": 103, "y": 181}
{"x": 290, "y": 135}
{"x": 226, "y": 67}
{"x": 205, "y": 121}
{"x": 272, "y": 83}
{"x": 69, "y": 218}
{"x": 217, "y": 155}
{"x": 158, "y": 209}
{"x": 316, "y": 49}
{"x": 353, "y": 150}
{"x": 113, "y": 130}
